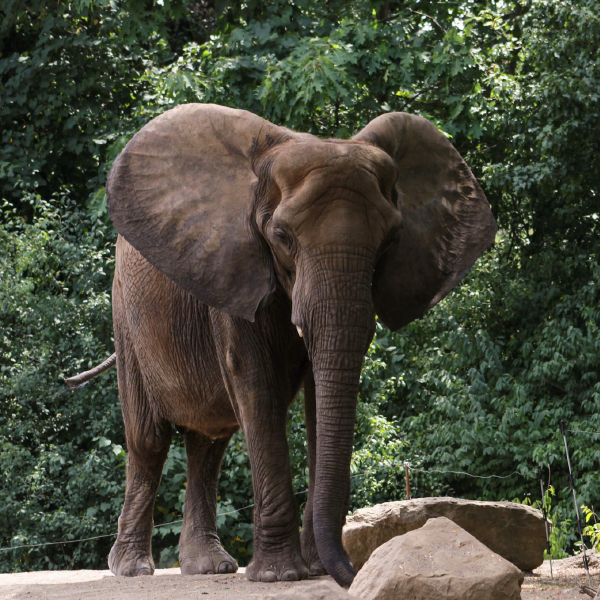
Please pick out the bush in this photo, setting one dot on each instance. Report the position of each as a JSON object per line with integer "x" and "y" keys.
{"x": 59, "y": 467}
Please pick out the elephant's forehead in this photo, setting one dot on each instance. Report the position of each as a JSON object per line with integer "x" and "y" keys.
{"x": 296, "y": 161}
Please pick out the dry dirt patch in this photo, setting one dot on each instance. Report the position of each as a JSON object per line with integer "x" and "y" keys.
{"x": 169, "y": 584}
{"x": 569, "y": 576}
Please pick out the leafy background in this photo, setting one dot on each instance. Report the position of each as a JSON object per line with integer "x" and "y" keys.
{"x": 478, "y": 385}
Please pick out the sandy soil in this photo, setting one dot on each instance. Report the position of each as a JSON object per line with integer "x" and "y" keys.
{"x": 569, "y": 576}
{"x": 103, "y": 585}
{"x": 168, "y": 584}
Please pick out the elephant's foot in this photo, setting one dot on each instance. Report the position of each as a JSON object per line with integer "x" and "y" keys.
{"x": 312, "y": 560}
{"x": 130, "y": 560}
{"x": 276, "y": 567}
{"x": 316, "y": 568}
{"x": 310, "y": 554}
{"x": 208, "y": 559}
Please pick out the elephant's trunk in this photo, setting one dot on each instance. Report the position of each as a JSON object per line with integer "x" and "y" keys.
{"x": 336, "y": 384}
{"x": 339, "y": 324}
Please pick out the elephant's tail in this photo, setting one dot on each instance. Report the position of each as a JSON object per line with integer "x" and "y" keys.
{"x": 80, "y": 380}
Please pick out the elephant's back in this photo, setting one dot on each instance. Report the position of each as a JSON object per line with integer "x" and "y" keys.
{"x": 170, "y": 333}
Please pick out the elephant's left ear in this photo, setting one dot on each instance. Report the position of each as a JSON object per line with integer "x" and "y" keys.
{"x": 446, "y": 220}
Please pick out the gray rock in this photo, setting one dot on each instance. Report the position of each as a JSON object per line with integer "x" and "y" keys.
{"x": 440, "y": 560}
{"x": 319, "y": 590}
{"x": 514, "y": 531}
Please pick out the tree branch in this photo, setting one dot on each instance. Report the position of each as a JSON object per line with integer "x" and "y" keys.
{"x": 429, "y": 17}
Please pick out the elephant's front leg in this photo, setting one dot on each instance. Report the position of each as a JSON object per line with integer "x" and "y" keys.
{"x": 200, "y": 550}
{"x": 277, "y": 550}
{"x": 255, "y": 373}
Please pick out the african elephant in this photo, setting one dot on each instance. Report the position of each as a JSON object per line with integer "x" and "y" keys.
{"x": 251, "y": 260}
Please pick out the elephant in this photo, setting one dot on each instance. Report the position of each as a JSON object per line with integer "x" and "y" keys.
{"x": 252, "y": 260}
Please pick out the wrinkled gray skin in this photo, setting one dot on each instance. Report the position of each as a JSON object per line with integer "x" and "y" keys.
{"x": 236, "y": 237}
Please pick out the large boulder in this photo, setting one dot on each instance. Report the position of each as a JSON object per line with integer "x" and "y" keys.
{"x": 514, "y": 531}
{"x": 321, "y": 590}
{"x": 440, "y": 560}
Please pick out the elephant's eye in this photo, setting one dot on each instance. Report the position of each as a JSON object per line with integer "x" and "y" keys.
{"x": 385, "y": 245}
{"x": 282, "y": 237}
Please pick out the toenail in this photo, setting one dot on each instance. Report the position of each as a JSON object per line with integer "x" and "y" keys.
{"x": 225, "y": 567}
{"x": 290, "y": 576}
{"x": 268, "y": 577}
{"x": 144, "y": 573}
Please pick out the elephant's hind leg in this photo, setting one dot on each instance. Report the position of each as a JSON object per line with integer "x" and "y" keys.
{"x": 148, "y": 439}
{"x": 200, "y": 549}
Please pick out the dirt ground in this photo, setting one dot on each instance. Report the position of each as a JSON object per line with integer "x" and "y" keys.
{"x": 569, "y": 576}
{"x": 168, "y": 584}
{"x": 103, "y": 585}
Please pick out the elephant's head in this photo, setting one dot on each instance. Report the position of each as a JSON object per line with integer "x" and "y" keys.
{"x": 229, "y": 206}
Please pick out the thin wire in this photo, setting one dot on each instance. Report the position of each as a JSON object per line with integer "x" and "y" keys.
{"x": 468, "y": 474}
{"x": 582, "y": 431}
{"x": 237, "y": 510}
{"x": 97, "y": 537}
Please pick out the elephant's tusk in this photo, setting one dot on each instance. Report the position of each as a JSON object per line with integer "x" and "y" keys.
{"x": 299, "y": 331}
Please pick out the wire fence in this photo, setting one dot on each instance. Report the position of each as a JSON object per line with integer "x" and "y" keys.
{"x": 238, "y": 510}
{"x": 467, "y": 474}
{"x": 395, "y": 466}
{"x": 583, "y": 431}
{"x": 97, "y": 537}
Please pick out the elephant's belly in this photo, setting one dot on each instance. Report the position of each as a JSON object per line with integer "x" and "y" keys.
{"x": 190, "y": 393}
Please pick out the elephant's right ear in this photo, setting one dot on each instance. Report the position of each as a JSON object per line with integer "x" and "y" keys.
{"x": 181, "y": 193}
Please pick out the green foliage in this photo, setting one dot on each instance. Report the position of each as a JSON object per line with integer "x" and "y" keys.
{"x": 473, "y": 395}
{"x": 479, "y": 385}
{"x": 559, "y": 527}
{"x": 58, "y": 465}
{"x": 561, "y": 535}
{"x": 591, "y": 530}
